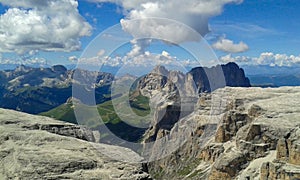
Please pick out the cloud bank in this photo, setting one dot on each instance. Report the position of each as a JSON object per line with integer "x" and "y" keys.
{"x": 227, "y": 45}
{"x": 145, "y": 59}
{"x": 266, "y": 58}
{"x": 45, "y": 25}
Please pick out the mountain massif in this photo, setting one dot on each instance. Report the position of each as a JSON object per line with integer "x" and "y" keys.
{"x": 232, "y": 133}
{"x": 225, "y": 133}
{"x": 170, "y": 85}
{"x": 215, "y": 131}
{"x": 36, "y": 90}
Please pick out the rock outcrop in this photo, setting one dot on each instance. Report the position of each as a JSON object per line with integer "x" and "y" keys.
{"x": 286, "y": 165}
{"x": 36, "y": 147}
{"x": 173, "y": 94}
{"x": 209, "y": 79}
{"x": 237, "y": 133}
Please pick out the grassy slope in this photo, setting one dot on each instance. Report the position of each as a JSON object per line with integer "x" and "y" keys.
{"x": 139, "y": 105}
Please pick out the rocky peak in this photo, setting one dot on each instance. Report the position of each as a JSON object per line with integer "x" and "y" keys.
{"x": 210, "y": 79}
{"x": 176, "y": 93}
{"x": 22, "y": 68}
{"x": 59, "y": 68}
{"x": 235, "y": 76}
{"x": 198, "y": 80}
{"x": 160, "y": 70}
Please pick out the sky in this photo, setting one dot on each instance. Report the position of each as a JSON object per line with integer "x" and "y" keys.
{"x": 248, "y": 32}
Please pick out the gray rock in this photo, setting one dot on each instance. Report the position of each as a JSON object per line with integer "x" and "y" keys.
{"x": 35, "y": 147}
{"x": 236, "y": 134}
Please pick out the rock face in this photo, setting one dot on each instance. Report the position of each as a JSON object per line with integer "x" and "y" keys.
{"x": 198, "y": 80}
{"x": 237, "y": 133}
{"x": 286, "y": 164}
{"x": 35, "y": 147}
{"x": 173, "y": 95}
{"x": 205, "y": 77}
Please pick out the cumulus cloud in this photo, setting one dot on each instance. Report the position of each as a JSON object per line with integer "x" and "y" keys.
{"x": 20, "y": 61}
{"x": 48, "y": 25}
{"x": 266, "y": 58}
{"x": 138, "y": 47}
{"x": 145, "y": 59}
{"x": 101, "y": 52}
{"x": 194, "y": 13}
{"x": 229, "y": 46}
{"x": 73, "y": 58}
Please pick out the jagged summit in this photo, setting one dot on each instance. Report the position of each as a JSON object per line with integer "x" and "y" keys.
{"x": 201, "y": 79}
{"x": 59, "y": 68}
{"x": 22, "y": 68}
{"x": 160, "y": 70}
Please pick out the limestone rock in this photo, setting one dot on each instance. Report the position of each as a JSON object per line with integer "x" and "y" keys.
{"x": 237, "y": 133}
{"x": 286, "y": 164}
{"x": 36, "y": 147}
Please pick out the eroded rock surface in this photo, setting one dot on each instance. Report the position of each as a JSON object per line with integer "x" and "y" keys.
{"x": 237, "y": 133}
{"x": 36, "y": 147}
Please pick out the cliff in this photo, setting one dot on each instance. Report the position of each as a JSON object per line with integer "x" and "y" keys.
{"x": 235, "y": 133}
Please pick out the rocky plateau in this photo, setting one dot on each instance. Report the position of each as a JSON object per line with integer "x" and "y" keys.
{"x": 37, "y": 147}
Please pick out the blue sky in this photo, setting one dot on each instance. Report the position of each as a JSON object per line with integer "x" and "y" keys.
{"x": 264, "y": 32}
{"x": 274, "y": 25}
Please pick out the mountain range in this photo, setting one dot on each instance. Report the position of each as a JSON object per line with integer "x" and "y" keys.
{"x": 207, "y": 129}
{"x": 36, "y": 90}
{"x": 233, "y": 133}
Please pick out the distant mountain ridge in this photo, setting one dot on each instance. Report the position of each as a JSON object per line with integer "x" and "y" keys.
{"x": 35, "y": 90}
{"x": 198, "y": 80}
{"x": 275, "y": 80}
{"x": 160, "y": 86}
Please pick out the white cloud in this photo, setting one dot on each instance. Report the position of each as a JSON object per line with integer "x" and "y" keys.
{"x": 101, "y": 52}
{"x": 126, "y": 4}
{"x": 165, "y": 53}
{"x": 144, "y": 59}
{"x": 73, "y": 58}
{"x": 138, "y": 47}
{"x": 48, "y": 25}
{"x": 227, "y": 45}
{"x": 20, "y": 61}
{"x": 194, "y": 13}
{"x": 266, "y": 58}
{"x": 238, "y": 59}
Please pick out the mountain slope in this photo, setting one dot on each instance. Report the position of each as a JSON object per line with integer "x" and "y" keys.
{"x": 139, "y": 104}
